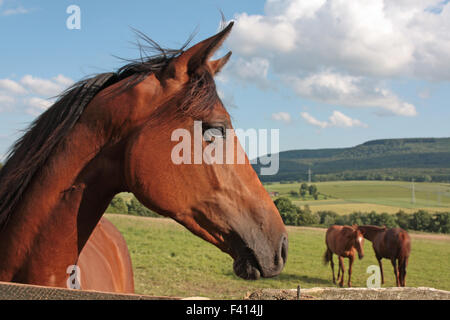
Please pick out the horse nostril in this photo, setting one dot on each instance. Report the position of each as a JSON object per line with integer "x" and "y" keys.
{"x": 284, "y": 244}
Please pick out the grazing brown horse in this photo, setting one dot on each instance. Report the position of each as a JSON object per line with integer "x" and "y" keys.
{"x": 343, "y": 241}
{"x": 113, "y": 133}
{"x": 393, "y": 244}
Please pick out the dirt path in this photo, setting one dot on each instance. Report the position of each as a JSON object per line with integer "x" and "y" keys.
{"x": 425, "y": 236}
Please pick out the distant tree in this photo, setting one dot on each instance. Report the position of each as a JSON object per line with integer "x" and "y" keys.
{"x": 421, "y": 220}
{"x": 137, "y": 208}
{"x": 342, "y": 220}
{"x": 312, "y": 189}
{"x": 402, "y": 219}
{"x": 387, "y": 220}
{"x": 328, "y": 221}
{"x": 441, "y": 222}
{"x": 306, "y": 217}
{"x": 287, "y": 209}
{"x": 303, "y": 190}
{"x": 372, "y": 218}
{"x": 327, "y": 218}
{"x": 117, "y": 205}
{"x": 355, "y": 218}
{"x": 293, "y": 193}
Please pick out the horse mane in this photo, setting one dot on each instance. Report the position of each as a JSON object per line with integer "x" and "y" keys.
{"x": 30, "y": 153}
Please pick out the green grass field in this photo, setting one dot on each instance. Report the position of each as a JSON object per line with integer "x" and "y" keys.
{"x": 346, "y": 197}
{"x": 168, "y": 260}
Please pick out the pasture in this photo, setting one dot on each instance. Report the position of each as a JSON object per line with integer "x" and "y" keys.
{"x": 345, "y": 197}
{"x": 170, "y": 261}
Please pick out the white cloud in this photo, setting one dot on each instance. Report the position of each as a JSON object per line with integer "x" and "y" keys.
{"x": 252, "y": 70}
{"x": 227, "y": 98}
{"x": 350, "y": 91}
{"x": 344, "y": 52}
{"x": 45, "y": 87}
{"x": 35, "y": 105}
{"x": 62, "y": 80}
{"x": 253, "y": 33}
{"x": 31, "y": 94}
{"x": 365, "y": 37}
{"x": 6, "y": 101}
{"x": 311, "y": 120}
{"x": 337, "y": 119}
{"x": 326, "y": 85}
{"x": 281, "y": 116}
{"x": 13, "y": 11}
{"x": 11, "y": 86}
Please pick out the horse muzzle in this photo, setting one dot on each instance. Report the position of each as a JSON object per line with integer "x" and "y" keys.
{"x": 251, "y": 264}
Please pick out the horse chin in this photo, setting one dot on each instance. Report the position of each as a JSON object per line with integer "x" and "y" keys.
{"x": 246, "y": 269}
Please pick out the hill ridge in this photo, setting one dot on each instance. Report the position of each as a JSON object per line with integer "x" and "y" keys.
{"x": 422, "y": 159}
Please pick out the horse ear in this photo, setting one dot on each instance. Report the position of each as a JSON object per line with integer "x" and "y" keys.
{"x": 197, "y": 56}
{"x": 217, "y": 65}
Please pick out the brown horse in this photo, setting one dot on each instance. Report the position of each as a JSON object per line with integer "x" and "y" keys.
{"x": 393, "y": 244}
{"x": 105, "y": 256}
{"x": 113, "y": 133}
{"x": 343, "y": 241}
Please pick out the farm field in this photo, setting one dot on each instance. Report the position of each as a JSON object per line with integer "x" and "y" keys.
{"x": 345, "y": 197}
{"x": 168, "y": 260}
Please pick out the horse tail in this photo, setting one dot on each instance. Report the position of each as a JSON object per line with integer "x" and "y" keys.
{"x": 326, "y": 257}
{"x": 404, "y": 245}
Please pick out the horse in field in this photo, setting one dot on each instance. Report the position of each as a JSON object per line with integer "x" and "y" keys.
{"x": 112, "y": 133}
{"x": 393, "y": 244}
{"x": 343, "y": 241}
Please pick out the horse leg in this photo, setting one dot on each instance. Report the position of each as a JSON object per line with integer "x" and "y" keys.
{"x": 351, "y": 259}
{"x": 339, "y": 270}
{"x": 341, "y": 266}
{"x": 394, "y": 264}
{"x": 402, "y": 266}
{"x": 330, "y": 258}
{"x": 381, "y": 269}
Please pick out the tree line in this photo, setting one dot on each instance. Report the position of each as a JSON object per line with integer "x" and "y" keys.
{"x": 419, "y": 221}
{"x": 133, "y": 207}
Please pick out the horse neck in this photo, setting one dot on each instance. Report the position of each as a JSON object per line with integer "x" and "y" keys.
{"x": 59, "y": 211}
{"x": 370, "y": 232}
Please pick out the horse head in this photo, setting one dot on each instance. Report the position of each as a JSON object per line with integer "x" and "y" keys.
{"x": 223, "y": 203}
{"x": 358, "y": 238}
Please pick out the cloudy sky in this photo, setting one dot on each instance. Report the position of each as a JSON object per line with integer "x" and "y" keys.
{"x": 328, "y": 74}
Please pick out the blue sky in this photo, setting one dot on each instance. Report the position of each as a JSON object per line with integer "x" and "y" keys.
{"x": 326, "y": 73}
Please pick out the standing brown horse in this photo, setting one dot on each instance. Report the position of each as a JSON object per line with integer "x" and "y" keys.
{"x": 393, "y": 244}
{"x": 343, "y": 241}
{"x": 112, "y": 133}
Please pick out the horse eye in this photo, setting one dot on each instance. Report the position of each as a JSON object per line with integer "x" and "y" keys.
{"x": 211, "y": 132}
